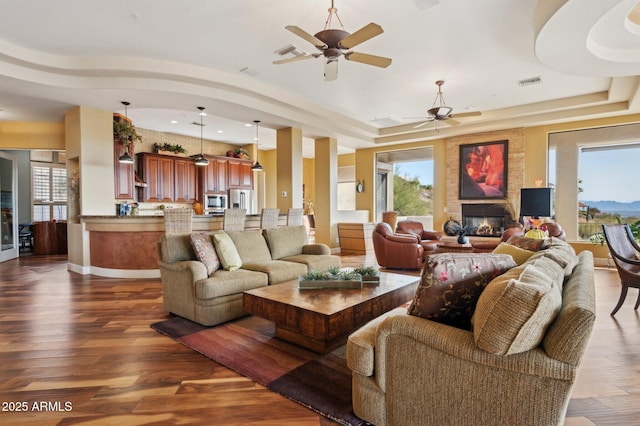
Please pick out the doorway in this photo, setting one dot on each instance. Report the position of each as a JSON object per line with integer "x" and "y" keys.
{"x": 8, "y": 207}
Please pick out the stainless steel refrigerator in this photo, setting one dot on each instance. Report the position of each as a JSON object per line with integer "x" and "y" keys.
{"x": 242, "y": 199}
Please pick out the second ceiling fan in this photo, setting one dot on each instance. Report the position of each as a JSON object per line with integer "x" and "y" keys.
{"x": 441, "y": 112}
{"x": 334, "y": 43}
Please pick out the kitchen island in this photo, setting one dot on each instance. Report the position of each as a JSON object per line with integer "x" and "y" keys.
{"x": 126, "y": 246}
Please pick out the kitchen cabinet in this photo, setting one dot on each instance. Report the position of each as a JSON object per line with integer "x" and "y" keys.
{"x": 240, "y": 174}
{"x": 185, "y": 188}
{"x": 158, "y": 173}
{"x": 124, "y": 174}
{"x": 213, "y": 177}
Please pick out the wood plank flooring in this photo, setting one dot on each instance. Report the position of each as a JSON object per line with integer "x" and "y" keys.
{"x": 78, "y": 350}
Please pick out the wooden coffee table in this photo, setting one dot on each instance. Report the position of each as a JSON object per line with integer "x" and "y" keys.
{"x": 322, "y": 319}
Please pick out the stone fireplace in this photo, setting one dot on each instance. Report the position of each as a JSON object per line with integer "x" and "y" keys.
{"x": 515, "y": 172}
{"x": 489, "y": 220}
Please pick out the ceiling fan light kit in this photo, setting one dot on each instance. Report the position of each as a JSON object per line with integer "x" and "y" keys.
{"x": 332, "y": 44}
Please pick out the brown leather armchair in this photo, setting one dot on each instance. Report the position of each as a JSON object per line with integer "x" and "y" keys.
{"x": 396, "y": 251}
{"x": 428, "y": 239}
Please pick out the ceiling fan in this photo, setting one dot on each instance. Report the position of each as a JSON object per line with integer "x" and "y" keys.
{"x": 334, "y": 43}
{"x": 441, "y": 112}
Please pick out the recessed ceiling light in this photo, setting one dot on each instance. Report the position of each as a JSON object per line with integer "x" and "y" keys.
{"x": 220, "y": 131}
{"x": 248, "y": 125}
{"x": 174, "y": 121}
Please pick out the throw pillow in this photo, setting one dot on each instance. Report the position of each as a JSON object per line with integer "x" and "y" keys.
{"x": 227, "y": 252}
{"x": 519, "y": 255}
{"x": 286, "y": 241}
{"x": 203, "y": 248}
{"x": 515, "y": 309}
{"x": 451, "y": 284}
{"x": 531, "y": 244}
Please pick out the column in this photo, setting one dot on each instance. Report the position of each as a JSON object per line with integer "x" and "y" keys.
{"x": 289, "y": 168}
{"x": 326, "y": 191}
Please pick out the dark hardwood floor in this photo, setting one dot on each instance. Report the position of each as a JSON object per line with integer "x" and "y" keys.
{"x": 79, "y": 350}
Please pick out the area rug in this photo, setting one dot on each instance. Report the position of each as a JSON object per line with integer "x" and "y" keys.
{"x": 248, "y": 346}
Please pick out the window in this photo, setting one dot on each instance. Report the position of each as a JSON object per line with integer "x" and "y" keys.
{"x": 606, "y": 186}
{"x": 405, "y": 183}
{"x": 48, "y": 192}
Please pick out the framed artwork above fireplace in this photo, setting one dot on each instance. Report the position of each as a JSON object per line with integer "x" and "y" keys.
{"x": 483, "y": 170}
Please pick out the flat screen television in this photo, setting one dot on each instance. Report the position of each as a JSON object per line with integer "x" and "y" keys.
{"x": 536, "y": 202}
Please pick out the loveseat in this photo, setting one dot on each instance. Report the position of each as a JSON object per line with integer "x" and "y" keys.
{"x": 264, "y": 257}
{"x": 516, "y": 366}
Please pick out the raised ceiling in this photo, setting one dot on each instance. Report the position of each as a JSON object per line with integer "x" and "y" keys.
{"x": 168, "y": 57}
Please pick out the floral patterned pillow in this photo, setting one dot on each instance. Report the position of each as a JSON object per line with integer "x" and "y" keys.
{"x": 205, "y": 252}
{"x": 451, "y": 284}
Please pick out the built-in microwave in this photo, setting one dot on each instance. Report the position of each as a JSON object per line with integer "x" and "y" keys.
{"x": 216, "y": 203}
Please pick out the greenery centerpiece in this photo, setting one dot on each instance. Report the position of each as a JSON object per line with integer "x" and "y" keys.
{"x": 332, "y": 278}
{"x": 169, "y": 148}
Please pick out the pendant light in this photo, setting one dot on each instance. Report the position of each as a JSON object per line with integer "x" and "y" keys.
{"x": 257, "y": 167}
{"x": 126, "y": 158}
{"x": 200, "y": 159}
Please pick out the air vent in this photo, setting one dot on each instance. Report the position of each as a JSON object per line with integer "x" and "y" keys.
{"x": 195, "y": 123}
{"x": 530, "y": 81}
{"x": 290, "y": 51}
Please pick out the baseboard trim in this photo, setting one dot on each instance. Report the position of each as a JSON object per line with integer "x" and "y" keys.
{"x": 114, "y": 273}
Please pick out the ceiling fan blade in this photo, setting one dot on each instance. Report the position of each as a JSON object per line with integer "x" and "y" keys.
{"x": 423, "y": 124}
{"x": 452, "y": 122}
{"x": 294, "y": 59}
{"x": 363, "y": 34}
{"x": 468, "y": 114}
{"x": 364, "y": 58}
{"x": 305, "y": 35}
{"x": 330, "y": 70}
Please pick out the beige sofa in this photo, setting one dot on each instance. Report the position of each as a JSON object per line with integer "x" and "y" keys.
{"x": 270, "y": 256}
{"x": 410, "y": 370}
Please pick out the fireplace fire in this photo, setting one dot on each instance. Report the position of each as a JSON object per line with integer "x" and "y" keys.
{"x": 488, "y": 220}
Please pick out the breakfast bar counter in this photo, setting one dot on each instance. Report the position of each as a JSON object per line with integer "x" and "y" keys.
{"x": 126, "y": 246}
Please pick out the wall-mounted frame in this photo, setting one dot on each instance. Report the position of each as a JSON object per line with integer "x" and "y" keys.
{"x": 483, "y": 170}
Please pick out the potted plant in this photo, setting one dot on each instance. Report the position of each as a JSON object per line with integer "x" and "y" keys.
{"x": 125, "y": 132}
{"x": 369, "y": 274}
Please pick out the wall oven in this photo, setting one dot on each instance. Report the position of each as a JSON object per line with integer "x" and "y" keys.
{"x": 215, "y": 203}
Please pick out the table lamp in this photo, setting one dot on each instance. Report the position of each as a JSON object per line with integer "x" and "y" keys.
{"x": 536, "y": 203}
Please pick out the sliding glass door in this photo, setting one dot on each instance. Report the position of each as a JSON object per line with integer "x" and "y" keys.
{"x": 8, "y": 213}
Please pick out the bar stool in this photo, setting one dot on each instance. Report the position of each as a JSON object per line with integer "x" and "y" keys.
{"x": 269, "y": 218}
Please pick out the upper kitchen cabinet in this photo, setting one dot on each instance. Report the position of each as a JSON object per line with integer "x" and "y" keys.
{"x": 124, "y": 173}
{"x": 185, "y": 188}
{"x": 158, "y": 173}
{"x": 213, "y": 177}
{"x": 240, "y": 174}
